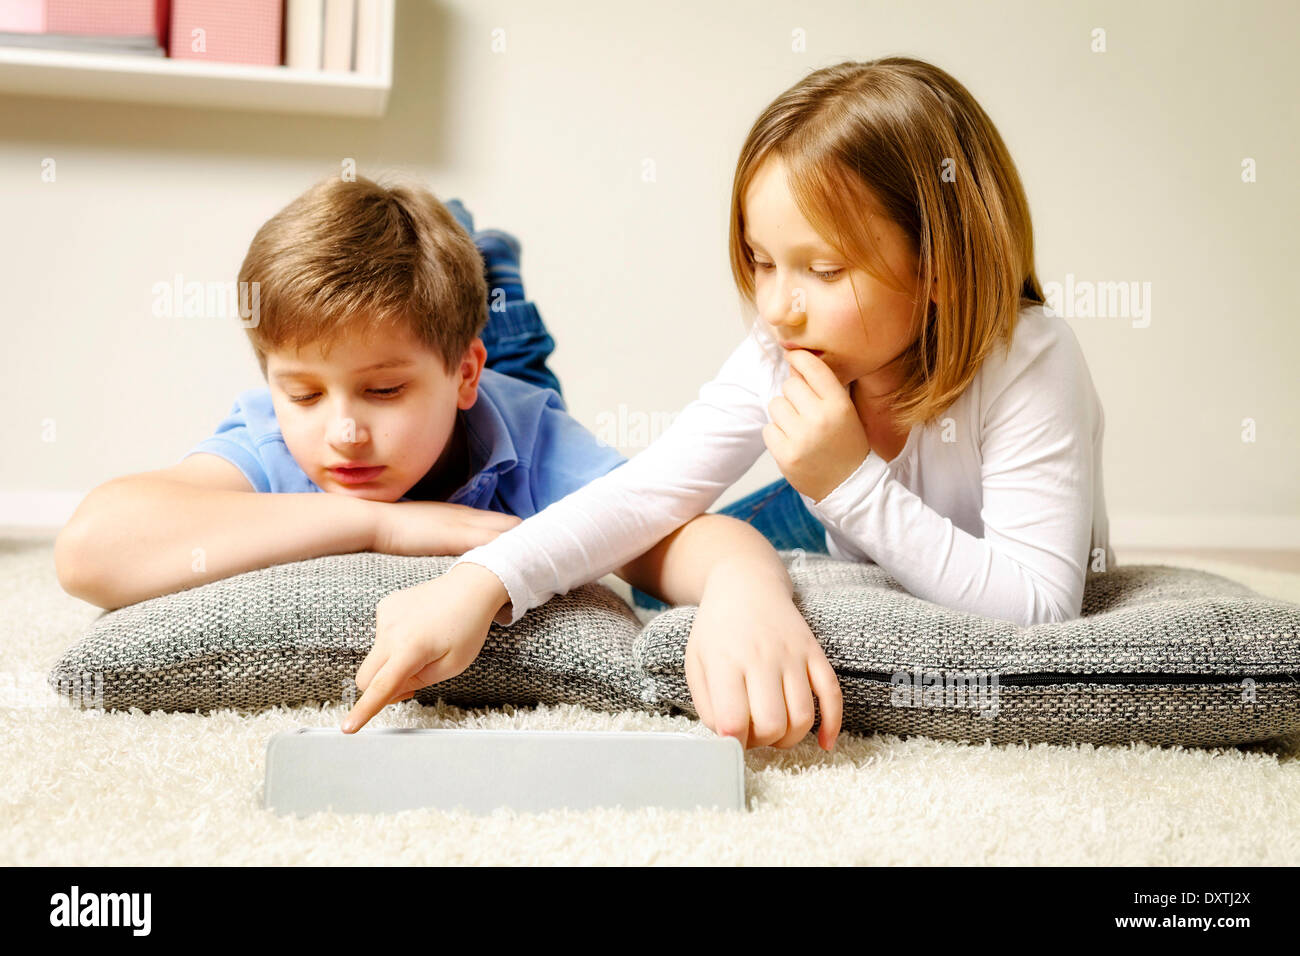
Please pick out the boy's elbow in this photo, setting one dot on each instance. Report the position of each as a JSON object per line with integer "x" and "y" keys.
{"x": 70, "y": 567}
{"x": 67, "y": 559}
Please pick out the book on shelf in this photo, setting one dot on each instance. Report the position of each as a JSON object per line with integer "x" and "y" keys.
{"x": 133, "y": 27}
{"x": 340, "y": 36}
{"x": 343, "y": 36}
{"x": 304, "y": 27}
{"x": 369, "y": 39}
{"x": 227, "y": 31}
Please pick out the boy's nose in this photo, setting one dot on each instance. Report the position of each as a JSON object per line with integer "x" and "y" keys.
{"x": 346, "y": 432}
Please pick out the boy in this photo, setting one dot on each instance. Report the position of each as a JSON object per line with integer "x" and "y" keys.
{"x": 372, "y": 316}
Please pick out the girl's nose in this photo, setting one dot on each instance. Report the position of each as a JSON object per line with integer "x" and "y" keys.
{"x": 787, "y": 306}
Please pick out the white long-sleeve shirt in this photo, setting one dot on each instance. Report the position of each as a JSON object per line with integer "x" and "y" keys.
{"x": 996, "y": 509}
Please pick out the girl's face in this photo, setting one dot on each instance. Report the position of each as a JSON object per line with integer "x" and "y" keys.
{"x": 804, "y": 290}
{"x": 336, "y": 412}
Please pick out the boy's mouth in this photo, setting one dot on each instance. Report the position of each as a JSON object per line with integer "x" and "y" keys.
{"x": 356, "y": 476}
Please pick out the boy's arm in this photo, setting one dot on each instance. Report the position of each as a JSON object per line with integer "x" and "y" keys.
{"x": 155, "y": 533}
{"x": 710, "y": 546}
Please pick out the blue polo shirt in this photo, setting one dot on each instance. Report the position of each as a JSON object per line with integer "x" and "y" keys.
{"x": 525, "y": 450}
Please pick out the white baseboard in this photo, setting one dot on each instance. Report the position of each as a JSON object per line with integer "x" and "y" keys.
{"x": 38, "y": 510}
{"x": 1242, "y": 531}
{"x": 50, "y": 511}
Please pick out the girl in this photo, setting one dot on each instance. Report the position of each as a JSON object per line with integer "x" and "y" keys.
{"x": 925, "y": 410}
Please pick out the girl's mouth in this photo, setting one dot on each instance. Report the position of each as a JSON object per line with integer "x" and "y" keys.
{"x": 800, "y": 348}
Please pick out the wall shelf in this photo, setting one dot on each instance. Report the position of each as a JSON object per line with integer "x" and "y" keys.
{"x": 237, "y": 86}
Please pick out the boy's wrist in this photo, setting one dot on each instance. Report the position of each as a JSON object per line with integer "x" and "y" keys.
{"x": 372, "y": 520}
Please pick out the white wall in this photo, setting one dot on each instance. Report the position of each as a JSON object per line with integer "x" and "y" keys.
{"x": 1131, "y": 158}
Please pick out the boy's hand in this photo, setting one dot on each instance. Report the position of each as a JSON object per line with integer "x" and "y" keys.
{"x": 434, "y": 527}
{"x": 753, "y": 666}
{"x": 425, "y": 634}
{"x": 815, "y": 434}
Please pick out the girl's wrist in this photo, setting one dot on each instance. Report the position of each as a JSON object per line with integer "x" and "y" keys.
{"x": 483, "y": 585}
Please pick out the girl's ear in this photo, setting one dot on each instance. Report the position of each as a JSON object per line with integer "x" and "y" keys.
{"x": 471, "y": 368}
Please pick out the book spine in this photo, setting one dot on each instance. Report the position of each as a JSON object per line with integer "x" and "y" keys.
{"x": 369, "y": 19}
{"x": 340, "y": 17}
{"x": 303, "y": 32}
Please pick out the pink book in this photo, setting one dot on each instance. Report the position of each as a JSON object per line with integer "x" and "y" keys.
{"x": 89, "y": 18}
{"x": 227, "y": 31}
{"x": 22, "y": 16}
{"x": 101, "y": 17}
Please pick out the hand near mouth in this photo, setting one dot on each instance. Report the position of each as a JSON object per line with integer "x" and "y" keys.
{"x": 815, "y": 435}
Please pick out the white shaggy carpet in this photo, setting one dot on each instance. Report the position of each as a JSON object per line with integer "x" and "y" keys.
{"x": 87, "y": 788}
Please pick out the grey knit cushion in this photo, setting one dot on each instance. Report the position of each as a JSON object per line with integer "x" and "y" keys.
{"x": 297, "y": 632}
{"x": 1161, "y": 654}
{"x": 1166, "y": 655}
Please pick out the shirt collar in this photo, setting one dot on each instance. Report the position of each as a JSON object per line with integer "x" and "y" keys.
{"x": 490, "y": 446}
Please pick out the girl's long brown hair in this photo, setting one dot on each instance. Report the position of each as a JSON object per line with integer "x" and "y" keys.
{"x": 901, "y": 136}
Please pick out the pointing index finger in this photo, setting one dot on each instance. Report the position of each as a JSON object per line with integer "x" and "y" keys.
{"x": 380, "y": 691}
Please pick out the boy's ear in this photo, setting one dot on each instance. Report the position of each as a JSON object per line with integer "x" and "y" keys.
{"x": 471, "y": 367}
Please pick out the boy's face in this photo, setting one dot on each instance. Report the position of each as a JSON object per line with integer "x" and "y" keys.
{"x": 398, "y": 419}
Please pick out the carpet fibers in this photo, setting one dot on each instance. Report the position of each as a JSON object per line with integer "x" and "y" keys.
{"x": 113, "y": 789}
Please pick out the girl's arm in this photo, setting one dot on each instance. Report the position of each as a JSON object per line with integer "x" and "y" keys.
{"x": 624, "y": 513}
{"x": 1040, "y": 433}
{"x": 752, "y": 665}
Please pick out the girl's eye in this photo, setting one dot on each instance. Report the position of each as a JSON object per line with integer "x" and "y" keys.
{"x": 387, "y": 393}
{"x": 825, "y": 276}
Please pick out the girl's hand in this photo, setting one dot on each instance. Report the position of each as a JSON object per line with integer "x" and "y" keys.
{"x": 425, "y": 634}
{"x": 815, "y": 434}
{"x": 753, "y": 666}
{"x": 434, "y": 527}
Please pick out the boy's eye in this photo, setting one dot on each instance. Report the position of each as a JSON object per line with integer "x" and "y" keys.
{"x": 387, "y": 393}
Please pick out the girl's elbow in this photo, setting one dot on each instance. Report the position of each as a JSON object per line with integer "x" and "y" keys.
{"x": 1049, "y": 609}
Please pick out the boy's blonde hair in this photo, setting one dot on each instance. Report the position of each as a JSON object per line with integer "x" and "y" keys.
{"x": 880, "y": 135}
{"x": 355, "y": 254}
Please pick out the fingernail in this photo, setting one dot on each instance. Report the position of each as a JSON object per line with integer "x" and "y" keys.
{"x": 349, "y": 726}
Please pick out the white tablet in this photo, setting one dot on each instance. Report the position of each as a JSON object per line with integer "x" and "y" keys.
{"x": 383, "y": 770}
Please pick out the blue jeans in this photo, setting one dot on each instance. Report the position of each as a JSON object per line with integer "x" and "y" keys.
{"x": 515, "y": 337}
{"x": 518, "y": 345}
{"x": 775, "y": 510}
